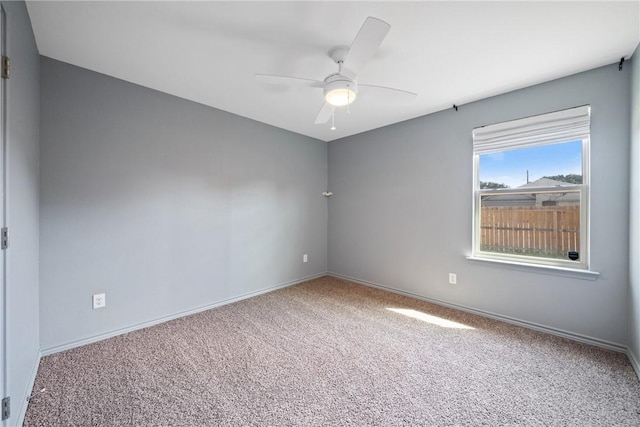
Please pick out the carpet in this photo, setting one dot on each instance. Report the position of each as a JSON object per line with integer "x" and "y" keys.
{"x": 329, "y": 352}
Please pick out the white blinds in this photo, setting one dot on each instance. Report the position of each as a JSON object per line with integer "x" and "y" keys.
{"x": 559, "y": 126}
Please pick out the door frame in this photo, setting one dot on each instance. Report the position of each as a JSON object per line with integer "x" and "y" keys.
{"x": 4, "y": 371}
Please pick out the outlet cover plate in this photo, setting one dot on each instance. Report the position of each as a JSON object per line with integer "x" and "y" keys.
{"x": 99, "y": 301}
{"x": 453, "y": 278}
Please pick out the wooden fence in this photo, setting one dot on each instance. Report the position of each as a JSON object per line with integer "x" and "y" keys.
{"x": 548, "y": 231}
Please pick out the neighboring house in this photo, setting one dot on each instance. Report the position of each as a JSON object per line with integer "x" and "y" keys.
{"x": 535, "y": 199}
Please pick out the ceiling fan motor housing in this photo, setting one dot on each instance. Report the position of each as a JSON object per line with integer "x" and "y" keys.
{"x": 340, "y": 90}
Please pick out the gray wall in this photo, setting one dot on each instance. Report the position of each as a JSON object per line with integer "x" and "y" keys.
{"x": 165, "y": 205}
{"x": 22, "y": 208}
{"x": 634, "y": 260}
{"x": 401, "y": 211}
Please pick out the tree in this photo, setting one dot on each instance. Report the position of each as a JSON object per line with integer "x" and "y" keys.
{"x": 571, "y": 178}
{"x": 492, "y": 185}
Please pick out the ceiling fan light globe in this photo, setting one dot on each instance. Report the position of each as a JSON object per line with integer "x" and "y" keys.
{"x": 340, "y": 96}
{"x": 339, "y": 91}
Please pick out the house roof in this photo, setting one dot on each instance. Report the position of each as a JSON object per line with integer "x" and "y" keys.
{"x": 545, "y": 182}
{"x": 533, "y": 198}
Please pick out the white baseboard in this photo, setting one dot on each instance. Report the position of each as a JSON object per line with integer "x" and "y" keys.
{"x": 514, "y": 321}
{"x": 531, "y": 325}
{"x": 96, "y": 338}
{"x": 634, "y": 362}
{"x": 22, "y": 411}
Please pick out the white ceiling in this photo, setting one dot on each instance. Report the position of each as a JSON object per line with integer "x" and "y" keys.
{"x": 447, "y": 52}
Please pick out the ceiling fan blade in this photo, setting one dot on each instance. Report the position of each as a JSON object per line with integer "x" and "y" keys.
{"x": 325, "y": 114}
{"x": 288, "y": 81}
{"x": 389, "y": 93}
{"x": 365, "y": 44}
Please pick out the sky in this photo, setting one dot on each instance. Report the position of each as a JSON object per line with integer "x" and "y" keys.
{"x": 510, "y": 167}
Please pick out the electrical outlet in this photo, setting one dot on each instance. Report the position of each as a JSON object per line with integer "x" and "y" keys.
{"x": 305, "y": 258}
{"x": 453, "y": 278}
{"x": 99, "y": 301}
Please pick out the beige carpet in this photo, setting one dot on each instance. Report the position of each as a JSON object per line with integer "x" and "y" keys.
{"x": 333, "y": 353}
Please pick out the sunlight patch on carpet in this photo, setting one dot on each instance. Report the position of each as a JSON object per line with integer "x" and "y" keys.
{"x": 435, "y": 320}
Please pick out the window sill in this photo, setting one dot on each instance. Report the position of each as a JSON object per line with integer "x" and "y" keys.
{"x": 537, "y": 268}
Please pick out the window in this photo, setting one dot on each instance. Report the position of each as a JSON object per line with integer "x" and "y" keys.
{"x": 531, "y": 189}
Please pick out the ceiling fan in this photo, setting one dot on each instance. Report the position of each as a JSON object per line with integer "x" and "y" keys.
{"x": 341, "y": 88}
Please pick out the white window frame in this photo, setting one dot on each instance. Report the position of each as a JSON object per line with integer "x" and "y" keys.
{"x": 552, "y": 128}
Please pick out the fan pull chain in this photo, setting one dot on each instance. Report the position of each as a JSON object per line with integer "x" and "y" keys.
{"x": 348, "y": 100}
{"x": 333, "y": 118}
